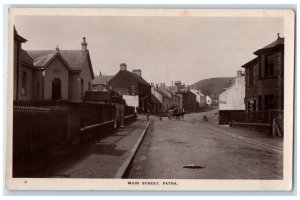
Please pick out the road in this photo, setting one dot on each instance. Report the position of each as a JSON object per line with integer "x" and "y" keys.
{"x": 171, "y": 145}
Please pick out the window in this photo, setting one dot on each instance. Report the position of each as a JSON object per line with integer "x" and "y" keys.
{"x": 251, "y": 75}
{"x": 260, "y": 68}
{"x": 81, "y": 87}
{"x": 56, "y": 89}
{"x": 24, "y": 83}
{"x": 132, "y": 88}
{"x": 269, "y": 102}
{"x": 269, "y": 65}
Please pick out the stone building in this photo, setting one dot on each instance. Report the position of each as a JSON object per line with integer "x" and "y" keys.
{"x": 265, "y": 77}
{"x": 162, "y": 97}
{"x": 51, "y": 74}
{"x": 231, "y": 100}
{"x": 187, "y": 99}
{"x": 200, "y": 98}
{"x": 132, "y": 83}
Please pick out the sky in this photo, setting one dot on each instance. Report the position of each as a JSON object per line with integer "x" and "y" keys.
{"x": 166, "y": 49}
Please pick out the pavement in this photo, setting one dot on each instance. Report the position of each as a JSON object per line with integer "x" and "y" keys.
{"x": 170, "y": 146}
{"x": 106, "y": 158}
{"x": 243, "y": 131}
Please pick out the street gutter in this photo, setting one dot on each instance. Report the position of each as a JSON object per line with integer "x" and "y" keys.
{"x": 121, "y": 171}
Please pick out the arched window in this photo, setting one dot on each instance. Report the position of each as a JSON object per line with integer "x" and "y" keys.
{"x": 56, "y": 89}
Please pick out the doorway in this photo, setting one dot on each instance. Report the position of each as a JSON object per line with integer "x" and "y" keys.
{"x": 56, "y": 89}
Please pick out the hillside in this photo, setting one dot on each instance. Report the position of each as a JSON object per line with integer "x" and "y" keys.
{"x": 212, "y": 85}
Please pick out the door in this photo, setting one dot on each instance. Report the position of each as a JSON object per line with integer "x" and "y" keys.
{"x": 56, "y": 89}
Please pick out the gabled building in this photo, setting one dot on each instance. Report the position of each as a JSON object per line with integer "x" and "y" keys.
{"x": 265, "y": 77}
{"x": 187, "y": 99}
{"x": 231, "y": 100}
{"x": 132, "y": 83}
{"x": 165, "y": 100}
{"x": 52, "y": 74}
{"x": 174, "y": 98}
{"x": 200, "y": 98}
{"x": 156, "y": 105}
{"x": 99, "y": 83}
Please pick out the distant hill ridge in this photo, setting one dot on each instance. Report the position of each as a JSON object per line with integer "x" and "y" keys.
{"x": 212, "y": 85}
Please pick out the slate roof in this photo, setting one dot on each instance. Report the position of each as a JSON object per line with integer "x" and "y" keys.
{"x": 276, "y": 43}
{"x": 138, "y": 78}
{"x": 154, "y": 99}
{"x": 133, "y": 75}
{"x": 162, "y": 94}
{"x": 166, "y": 92}
{"x": 75, "y": 58}
{"x": 101, "y": 80}
{"x": 254, "y": 60}
{"x": 26, "y": 58}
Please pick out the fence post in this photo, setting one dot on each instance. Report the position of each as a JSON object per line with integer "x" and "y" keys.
{"x": 122, "y": 114}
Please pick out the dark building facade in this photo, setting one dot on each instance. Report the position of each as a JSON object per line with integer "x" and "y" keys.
{"x": 187, "y": 100}
{"x": 264, "y": 78}
{"x": 131, "y": 83}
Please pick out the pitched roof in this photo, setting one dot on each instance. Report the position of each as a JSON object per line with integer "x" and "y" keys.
{"x": 17, "y": 37}
{"x": 276, "y": 43}
{"x": 162, "y": 94}
{"x": 133, "y": 75}
{"x": 138, "y": 78}
{"x": 75, "y": 58}
{"x": 166, "y": 92}
{"x": 154, "y": 99}
{"x": 25, "y": 57}
{"x": 251, "y": 62}
{"x": 101, "y": 80}
{"x": 43, "y": 60}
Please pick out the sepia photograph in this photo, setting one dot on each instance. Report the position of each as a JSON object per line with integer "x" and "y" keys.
{"x": 156, "y": 99}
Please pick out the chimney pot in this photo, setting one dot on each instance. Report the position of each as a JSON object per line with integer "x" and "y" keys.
{"x": 57, "y": 49}
{"x": 123, "y": 66}
{"x": 83, "y": 45}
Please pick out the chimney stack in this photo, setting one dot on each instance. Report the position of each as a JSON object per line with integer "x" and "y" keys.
{"x": 57, "y": 49}
{"x": 239, "y": 73}
{"x": 162, "y": 85}
{"x": 138, "y": 72}
{"x": 123, "y": 67}
{"x": 83, "y": 45}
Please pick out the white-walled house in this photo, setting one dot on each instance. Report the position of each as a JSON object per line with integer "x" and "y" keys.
{"x": 200, "y": 98}
{"x": 232, "y": 99}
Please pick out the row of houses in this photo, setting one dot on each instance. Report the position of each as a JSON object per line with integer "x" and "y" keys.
{"x": 149, "y": 97}
{"x": 258, "y": 92}
{"x": 67, "y": 75}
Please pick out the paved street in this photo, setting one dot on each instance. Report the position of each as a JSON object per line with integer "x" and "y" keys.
{"x": 170, "y": 145}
